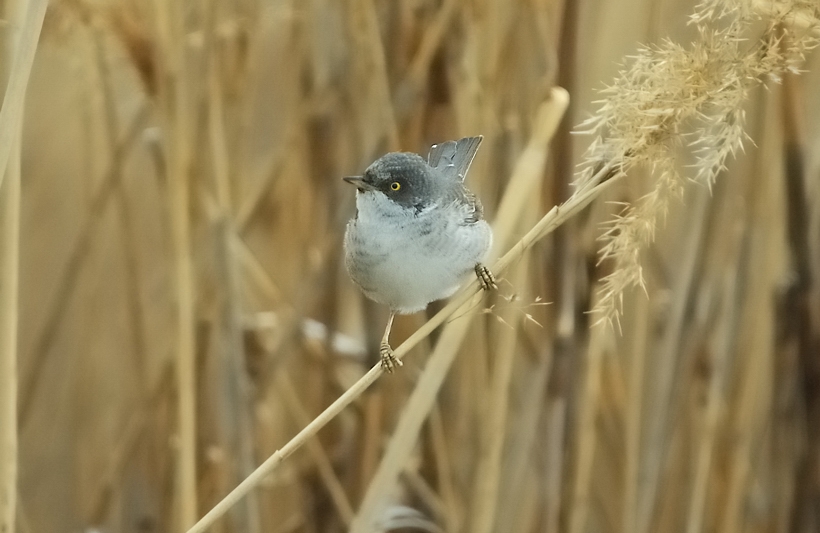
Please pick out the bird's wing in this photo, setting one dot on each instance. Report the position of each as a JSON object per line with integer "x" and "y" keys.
{"x": 453, "y": 158}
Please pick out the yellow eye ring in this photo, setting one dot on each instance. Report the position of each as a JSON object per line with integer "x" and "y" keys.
{"x": 395, "y": 186}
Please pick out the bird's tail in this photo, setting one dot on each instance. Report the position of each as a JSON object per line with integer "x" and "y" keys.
{"x": 454, "y": 157}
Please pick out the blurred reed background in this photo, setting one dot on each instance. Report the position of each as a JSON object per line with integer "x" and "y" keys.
{"x": 183, "y": 310}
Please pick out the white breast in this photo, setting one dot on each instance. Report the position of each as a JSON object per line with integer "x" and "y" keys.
{"x": 405, "y": 259}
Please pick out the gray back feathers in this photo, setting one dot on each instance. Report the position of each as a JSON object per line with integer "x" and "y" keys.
{"x": 453, "y": 158}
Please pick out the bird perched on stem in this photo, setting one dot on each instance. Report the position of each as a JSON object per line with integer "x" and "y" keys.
{"x": 418, "y": 231}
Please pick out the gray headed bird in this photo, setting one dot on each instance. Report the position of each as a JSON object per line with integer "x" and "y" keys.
{"x": 418, "y": 231}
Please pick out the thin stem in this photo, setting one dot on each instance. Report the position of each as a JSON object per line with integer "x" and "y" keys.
{"x": 9, "y": 266}
{"x": 494, "y": 433}
{"x": 11, "y": 118}
{"x": 176, "y": 95}
{"x": 460, "y": 304}
{"x": 11, "y": 115}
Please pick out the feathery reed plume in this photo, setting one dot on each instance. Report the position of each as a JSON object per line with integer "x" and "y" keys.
{"x": 670, "y": 97}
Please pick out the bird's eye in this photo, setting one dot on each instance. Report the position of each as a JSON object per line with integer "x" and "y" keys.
{"x": 395, "y": 186}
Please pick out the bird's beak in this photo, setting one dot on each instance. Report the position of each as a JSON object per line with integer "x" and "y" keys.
{"x": 359, "y": 182}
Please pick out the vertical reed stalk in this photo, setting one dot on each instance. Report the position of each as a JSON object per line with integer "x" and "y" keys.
{"x": 524, "y": 181}
{"x": 715, "y": 402}
{"x": 406, "y": 434}
{"x": 11, "y": 115}
{"x": 494, "y": 432}
{"x": 9, "y": 264}
{"x": 230, "y": 381}
{"x": 23, "y": 46}
{"x": 175, "y": 91}
{"x": 669, "y": 353}
{"x": 635, "y": 388}
{"x": 748, "y": 424}
{"x": 186, "y": 365}
{"x": 586, "y": 439}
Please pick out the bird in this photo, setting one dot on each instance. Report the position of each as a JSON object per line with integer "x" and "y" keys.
{"x": 418, "y": 231}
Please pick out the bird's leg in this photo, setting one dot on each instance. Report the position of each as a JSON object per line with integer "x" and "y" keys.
{"x": 389, "y": 360}
{"x": 485, "y": 277}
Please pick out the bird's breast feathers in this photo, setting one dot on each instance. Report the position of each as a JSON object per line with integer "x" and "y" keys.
{"x": 406, "y": 259}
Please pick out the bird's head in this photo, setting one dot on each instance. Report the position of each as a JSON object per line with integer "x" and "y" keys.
{"x": 404, "y": 178}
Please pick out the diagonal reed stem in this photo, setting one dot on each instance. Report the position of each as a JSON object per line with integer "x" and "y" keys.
{"x": 519, "y": 192}
{"x": 459, "y": 304}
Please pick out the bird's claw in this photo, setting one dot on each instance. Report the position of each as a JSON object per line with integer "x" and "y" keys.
{"x": 485, "y": 277}
{"x": 389, "y": 360}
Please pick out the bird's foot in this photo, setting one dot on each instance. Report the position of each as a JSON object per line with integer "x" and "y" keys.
{"x": 485, "y": 277}
{"x": 389, "y": 360}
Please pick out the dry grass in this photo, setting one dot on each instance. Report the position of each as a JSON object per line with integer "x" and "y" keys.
{"x": 190, "y": 345}
{"x": 20, "y": 47}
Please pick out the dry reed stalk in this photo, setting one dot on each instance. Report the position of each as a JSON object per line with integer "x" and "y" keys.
{"x": 585, "y": 439}
{"x": 747, "y": 428}
{"x": 186, "y": 368}
{"x": 334, "y": 486}
{"x": 498, "y": 433}
{"x": 518, "y": 193}
{"x": 230, "y": 381}
{"x": 404, "y": 438}
{"x": 430, "y": 44}
{"x": 634, "y": 408}
{"x": 444, "y": 470}
{"x": 606, "y": 484}
{"x": 668, "y": 355}
{"x": 22, "y": 48}
{"x": 528, "y": 518}
{"x": 11, "y": 114}
{"x": 458, "y": 303}
{"x": 494, "y": 432}
{"x": 754, "y": 339}
{"x": 9, "y": 288}
{"x": 799, "y": 315}
{"x": 724, "y": 346}
{"x": 518, "y": 485}
{"x": 175, "y": 95}
{"x": 365, "y": 29}
{"x": 373, "y": 416}
{"x": 554, "y": 437}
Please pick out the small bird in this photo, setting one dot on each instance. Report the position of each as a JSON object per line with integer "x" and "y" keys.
{"x": 418, "y": 231}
